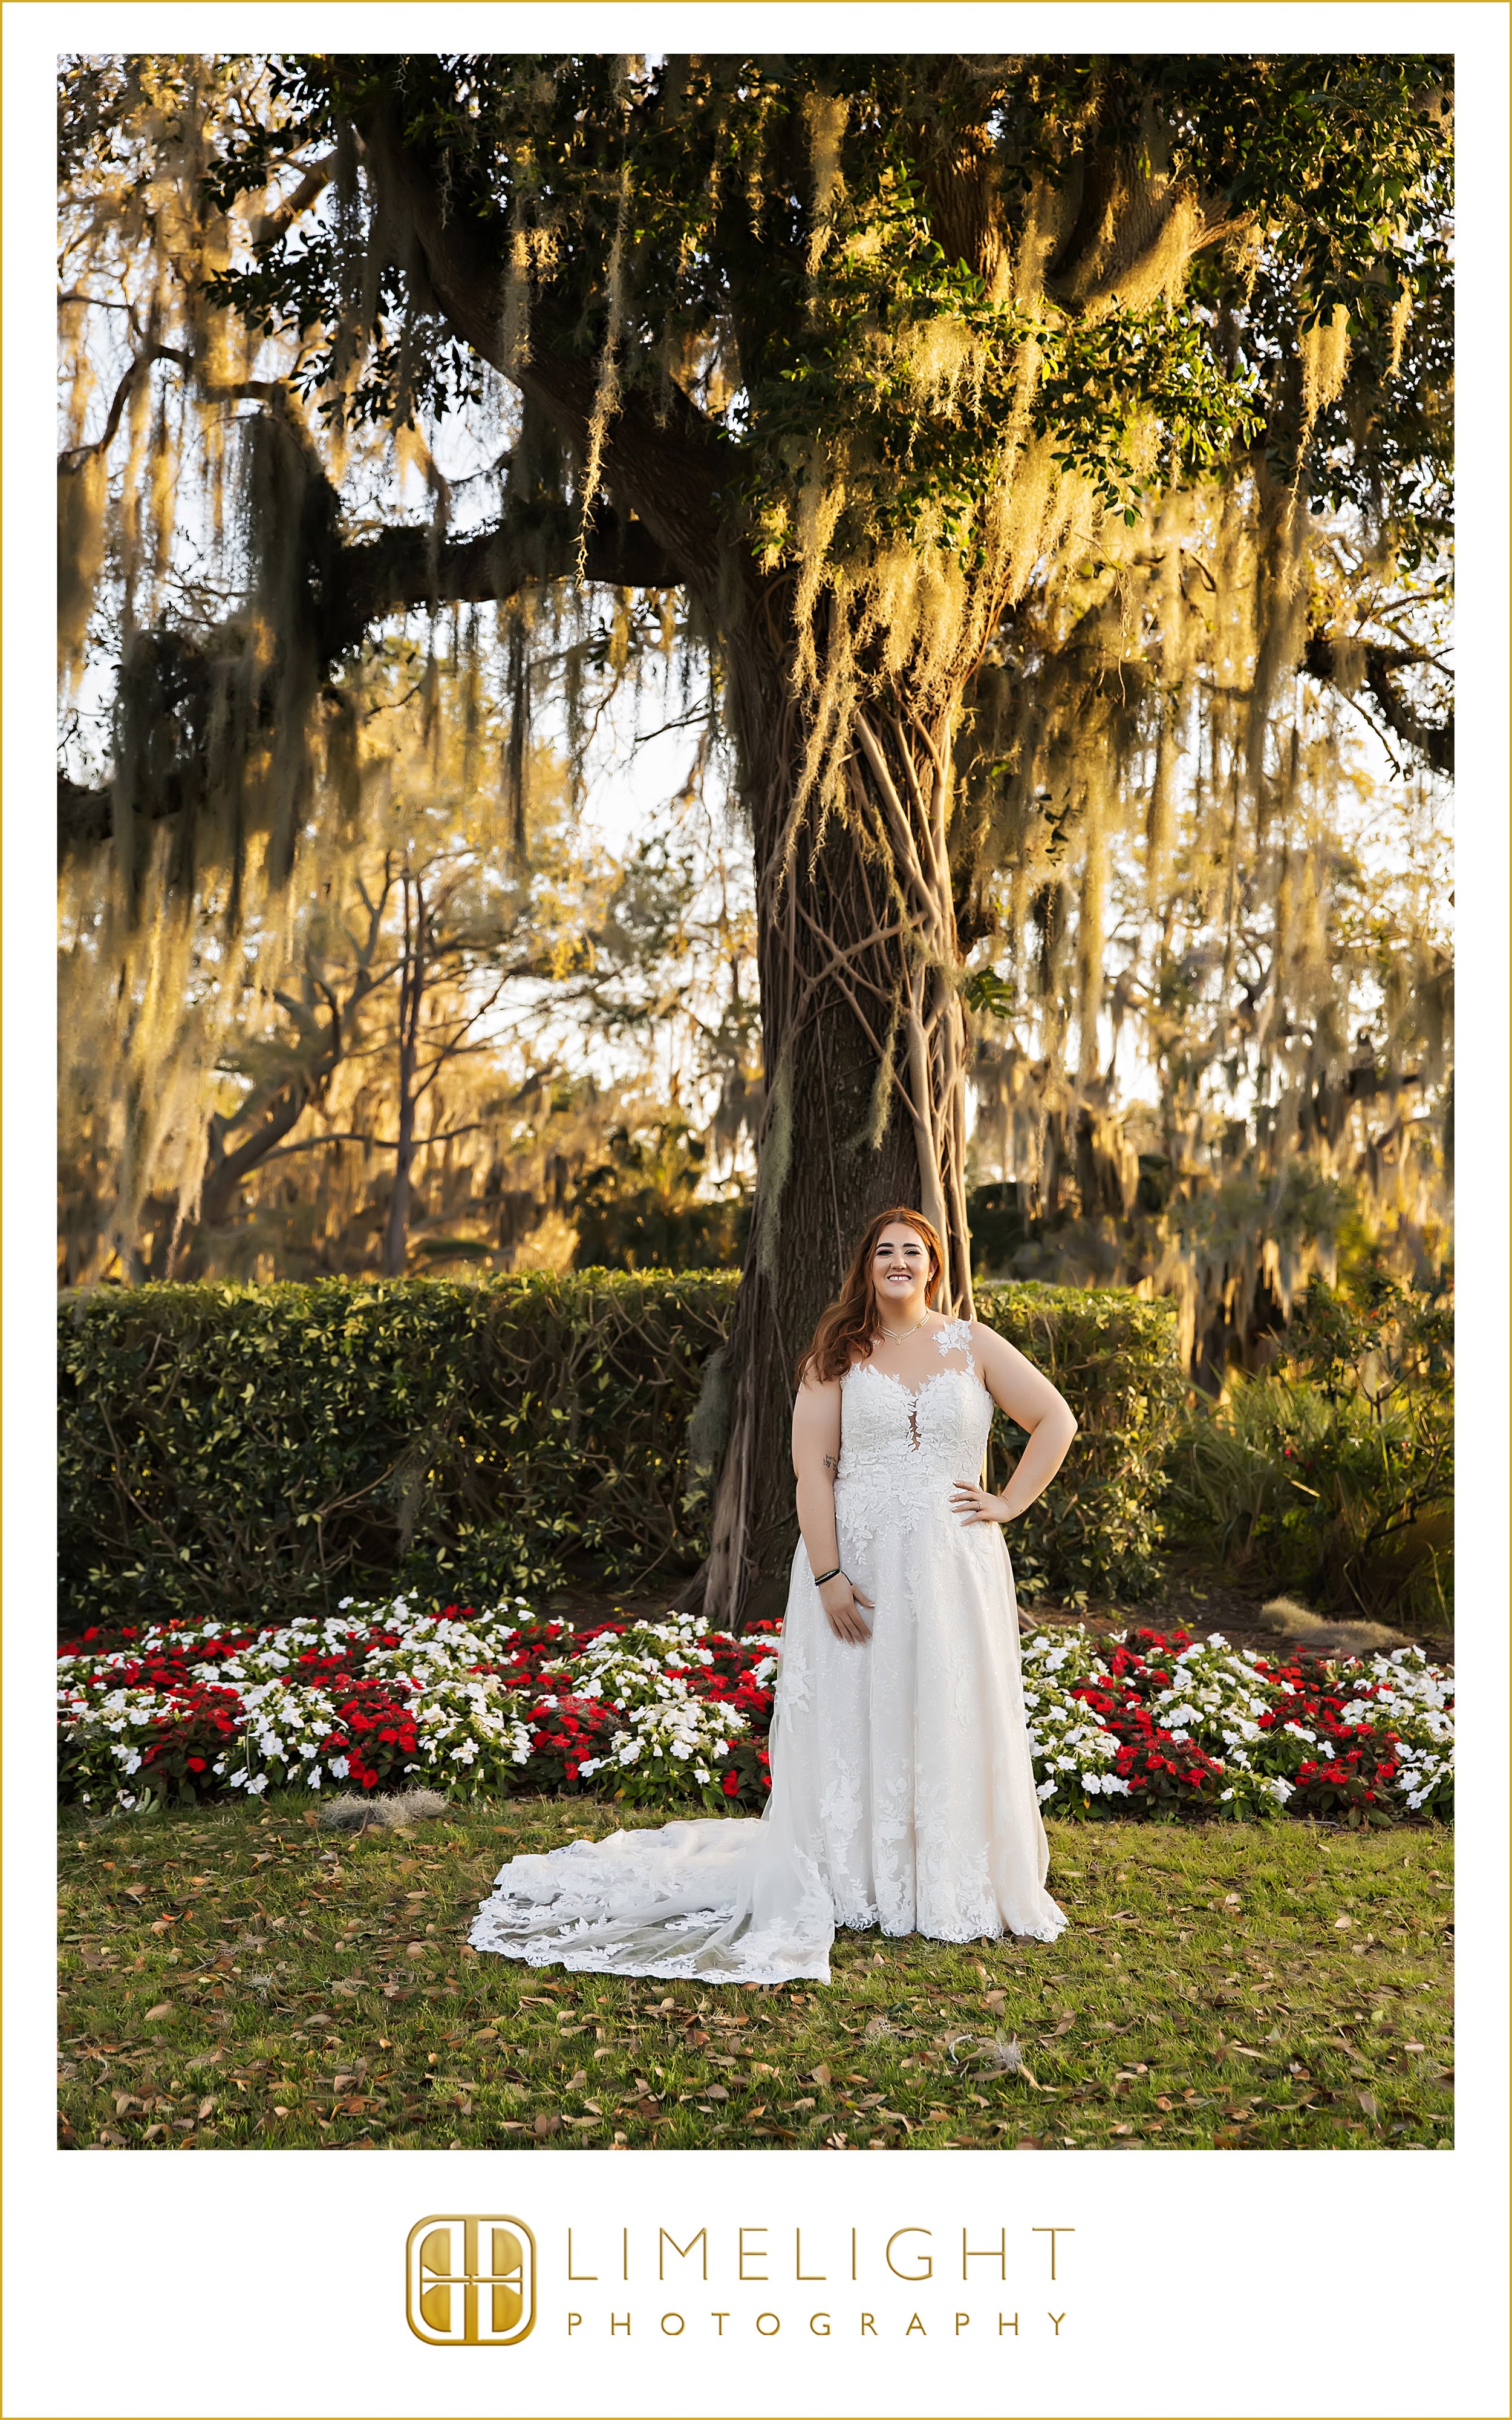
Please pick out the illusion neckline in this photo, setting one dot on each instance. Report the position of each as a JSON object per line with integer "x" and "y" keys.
{"x": 913, "y": 1392}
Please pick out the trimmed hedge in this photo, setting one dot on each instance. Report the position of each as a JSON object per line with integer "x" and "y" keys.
{"x": 233, "y": 1451}
{"x": 1096, "y": 1531}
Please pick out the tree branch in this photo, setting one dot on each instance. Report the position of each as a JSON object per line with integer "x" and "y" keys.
{"x": 1433, "y": 741}
{"x": 76, "y": 455}
{"x": 269, "y": 225}
{"x": 404, "y": 569}
{"x": 666, "y": 465}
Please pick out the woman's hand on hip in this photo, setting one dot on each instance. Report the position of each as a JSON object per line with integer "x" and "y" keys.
{"x": 843, "y": 1604}
{"x": 973, "y": 1504}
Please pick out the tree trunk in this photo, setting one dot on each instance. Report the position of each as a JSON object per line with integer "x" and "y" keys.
{"x": 862, "y": 1025}
{"x": 865, "y": 1064}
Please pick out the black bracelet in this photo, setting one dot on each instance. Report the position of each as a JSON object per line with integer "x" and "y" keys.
{"x": 819, "y": 1578}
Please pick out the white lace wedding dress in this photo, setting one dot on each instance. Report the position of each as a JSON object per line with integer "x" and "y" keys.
{"x": 903, "y": 1792}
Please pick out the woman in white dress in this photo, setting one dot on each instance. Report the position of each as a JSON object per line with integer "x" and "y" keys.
{"x": 903, "y": 1791}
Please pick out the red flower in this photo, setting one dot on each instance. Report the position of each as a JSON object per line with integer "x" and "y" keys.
{"x": 195, "y": 1763}
{"x": 731, "y": 1784}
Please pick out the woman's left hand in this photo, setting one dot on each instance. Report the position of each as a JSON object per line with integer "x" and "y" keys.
{"x": 973, "y": 1504}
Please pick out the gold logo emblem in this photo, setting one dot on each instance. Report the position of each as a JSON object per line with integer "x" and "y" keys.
{"x": 471, "y": 2281}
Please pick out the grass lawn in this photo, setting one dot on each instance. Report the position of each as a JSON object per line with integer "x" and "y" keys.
{"x": 234, "y": 1976}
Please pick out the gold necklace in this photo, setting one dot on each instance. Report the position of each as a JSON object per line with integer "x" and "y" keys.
{"x": 896, "y": 1335}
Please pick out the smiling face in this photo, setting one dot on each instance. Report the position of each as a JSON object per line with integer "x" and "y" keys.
{"x": 901, "y": 1272}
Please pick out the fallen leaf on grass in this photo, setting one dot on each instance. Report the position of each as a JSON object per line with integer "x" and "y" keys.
{"x": 1369, "y": 2103}
{"x": 1004, "y": 2058}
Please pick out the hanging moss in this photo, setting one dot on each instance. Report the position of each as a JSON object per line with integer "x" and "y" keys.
{"x": 1035, "y": 460}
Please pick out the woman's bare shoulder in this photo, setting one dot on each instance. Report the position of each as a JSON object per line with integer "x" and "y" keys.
{"x": 987, "y": 1339}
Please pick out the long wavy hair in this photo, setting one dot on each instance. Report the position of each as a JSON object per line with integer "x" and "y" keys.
{"x": 848, "y": 1330}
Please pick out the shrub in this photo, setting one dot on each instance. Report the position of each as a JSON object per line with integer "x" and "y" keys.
{"x": 1097, "y": 1529}
{"x": 263, "y": 1451}
{"x": 1334, "y": 1473}
{"x": 270, "y": 1449}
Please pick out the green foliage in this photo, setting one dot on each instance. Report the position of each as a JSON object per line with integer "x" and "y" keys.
{"x": 274, "y": 1449}
{"x": 228, "y": 1450}
{"x": 820, "y": 207}
{"x": 1097, "y": 1529}
{"x": 1332, "y": 1474}
{"x": 640, "y": 1209}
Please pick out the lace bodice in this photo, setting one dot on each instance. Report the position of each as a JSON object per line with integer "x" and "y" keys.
{"x": 900, "y": 1445}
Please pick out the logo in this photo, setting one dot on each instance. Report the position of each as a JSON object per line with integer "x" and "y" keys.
{"x": 471, "y": 2281}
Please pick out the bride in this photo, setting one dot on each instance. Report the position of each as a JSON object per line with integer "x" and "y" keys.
{"x": 903, "y": 1792}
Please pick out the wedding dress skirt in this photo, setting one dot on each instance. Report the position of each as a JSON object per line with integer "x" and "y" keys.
{"x": 903, "y": 1791}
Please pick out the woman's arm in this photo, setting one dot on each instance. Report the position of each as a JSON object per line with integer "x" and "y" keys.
{"x": 1026, "y": 1395}
{"x": 815, "y": 1453}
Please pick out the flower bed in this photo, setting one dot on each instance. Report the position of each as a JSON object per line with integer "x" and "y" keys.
{"x": 1167, "y": 1725}
{"x": 387, "y": 1696}
{"x": 662, "y": 1713}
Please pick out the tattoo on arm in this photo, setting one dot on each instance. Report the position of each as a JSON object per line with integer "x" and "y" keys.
{"x": 829, "y": 1462}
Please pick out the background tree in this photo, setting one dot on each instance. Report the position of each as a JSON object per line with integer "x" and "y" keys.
{"x": 985, "y": 414}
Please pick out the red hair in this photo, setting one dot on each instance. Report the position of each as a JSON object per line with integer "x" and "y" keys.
{"x": 847, "y": 1330}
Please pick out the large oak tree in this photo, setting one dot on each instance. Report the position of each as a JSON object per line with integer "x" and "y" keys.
{"x": 937, "y": 387}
